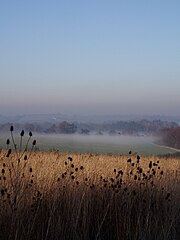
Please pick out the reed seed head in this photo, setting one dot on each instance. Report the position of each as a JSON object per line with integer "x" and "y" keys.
{"x": 70, "y": 159}
{"x": 120, "y": 172}
{"x": 150, "y": 164}
{"x": 2, "y": 192}
{"x": 22, "y": 133}
{"x": 9, "y": 152}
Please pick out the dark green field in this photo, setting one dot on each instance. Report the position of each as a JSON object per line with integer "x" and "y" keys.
{"x": 96, "y": 144}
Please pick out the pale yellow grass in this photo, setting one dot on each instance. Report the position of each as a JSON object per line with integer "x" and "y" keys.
{"x": 49, "y": 166}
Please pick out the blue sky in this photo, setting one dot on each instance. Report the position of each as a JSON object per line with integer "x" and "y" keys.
{"x": 90, "y": 56}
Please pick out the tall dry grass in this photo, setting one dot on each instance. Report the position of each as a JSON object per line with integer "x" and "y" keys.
{"x": 59, "y": 196}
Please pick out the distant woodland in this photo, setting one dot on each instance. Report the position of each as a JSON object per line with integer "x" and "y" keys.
{"x": 171, "y": 137}
{"x": 118, "y": 127}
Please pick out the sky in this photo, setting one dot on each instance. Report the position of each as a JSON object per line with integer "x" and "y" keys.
{"x": 90, "y": 57}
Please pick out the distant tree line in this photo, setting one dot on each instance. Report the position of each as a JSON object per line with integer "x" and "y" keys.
{"x": 118, "y": 127}
{"x": 171, "y": 137}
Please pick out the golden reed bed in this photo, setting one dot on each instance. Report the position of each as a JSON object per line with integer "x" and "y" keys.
{"x": 53, "y": 195}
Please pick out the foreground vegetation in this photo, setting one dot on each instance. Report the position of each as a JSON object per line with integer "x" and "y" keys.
{"x": 52, "y": 195}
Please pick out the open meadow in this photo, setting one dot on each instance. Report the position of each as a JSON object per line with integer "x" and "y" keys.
{"x": 96, "y": 144}
{"x": 55, "y": 195}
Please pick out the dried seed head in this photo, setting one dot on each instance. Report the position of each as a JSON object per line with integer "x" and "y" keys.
{"x": 2, "y": 192}
{"x": 22, "y": 133}
{"x": 34, "y": 143}
{"x": 168, "y": 195}
{"x": 150, "y": 164}
{"x": 72, "y": 165}
{"x": 30, "y": 134}
{"x": 30, "y": 170}
{"x": 3, "y": 171}
{"x": 70, "y": 159}
{"x": 8, "y": 141}
{"x": 76, "y": 169}
{"x": 11, "y": 128}
{"x": 120, "y": 172}
{"x": 130, "y": 152}
{"x": 129, "y": 160}
{"x": 25, "y": 157}
{"x": 81, "y": 167}
{"x": 138, "y": 157}
{"x": 9, "y": 152}
{"x": 58, "y": 179}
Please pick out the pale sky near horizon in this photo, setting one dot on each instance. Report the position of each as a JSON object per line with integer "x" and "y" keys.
{"x": 90, "y": 56}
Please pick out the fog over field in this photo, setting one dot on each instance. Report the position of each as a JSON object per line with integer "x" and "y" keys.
{"x": 117, "y": 144}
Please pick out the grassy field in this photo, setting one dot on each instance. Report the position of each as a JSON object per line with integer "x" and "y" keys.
{"x": 96, "y": 144}
{"x": 53, "y": 195}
